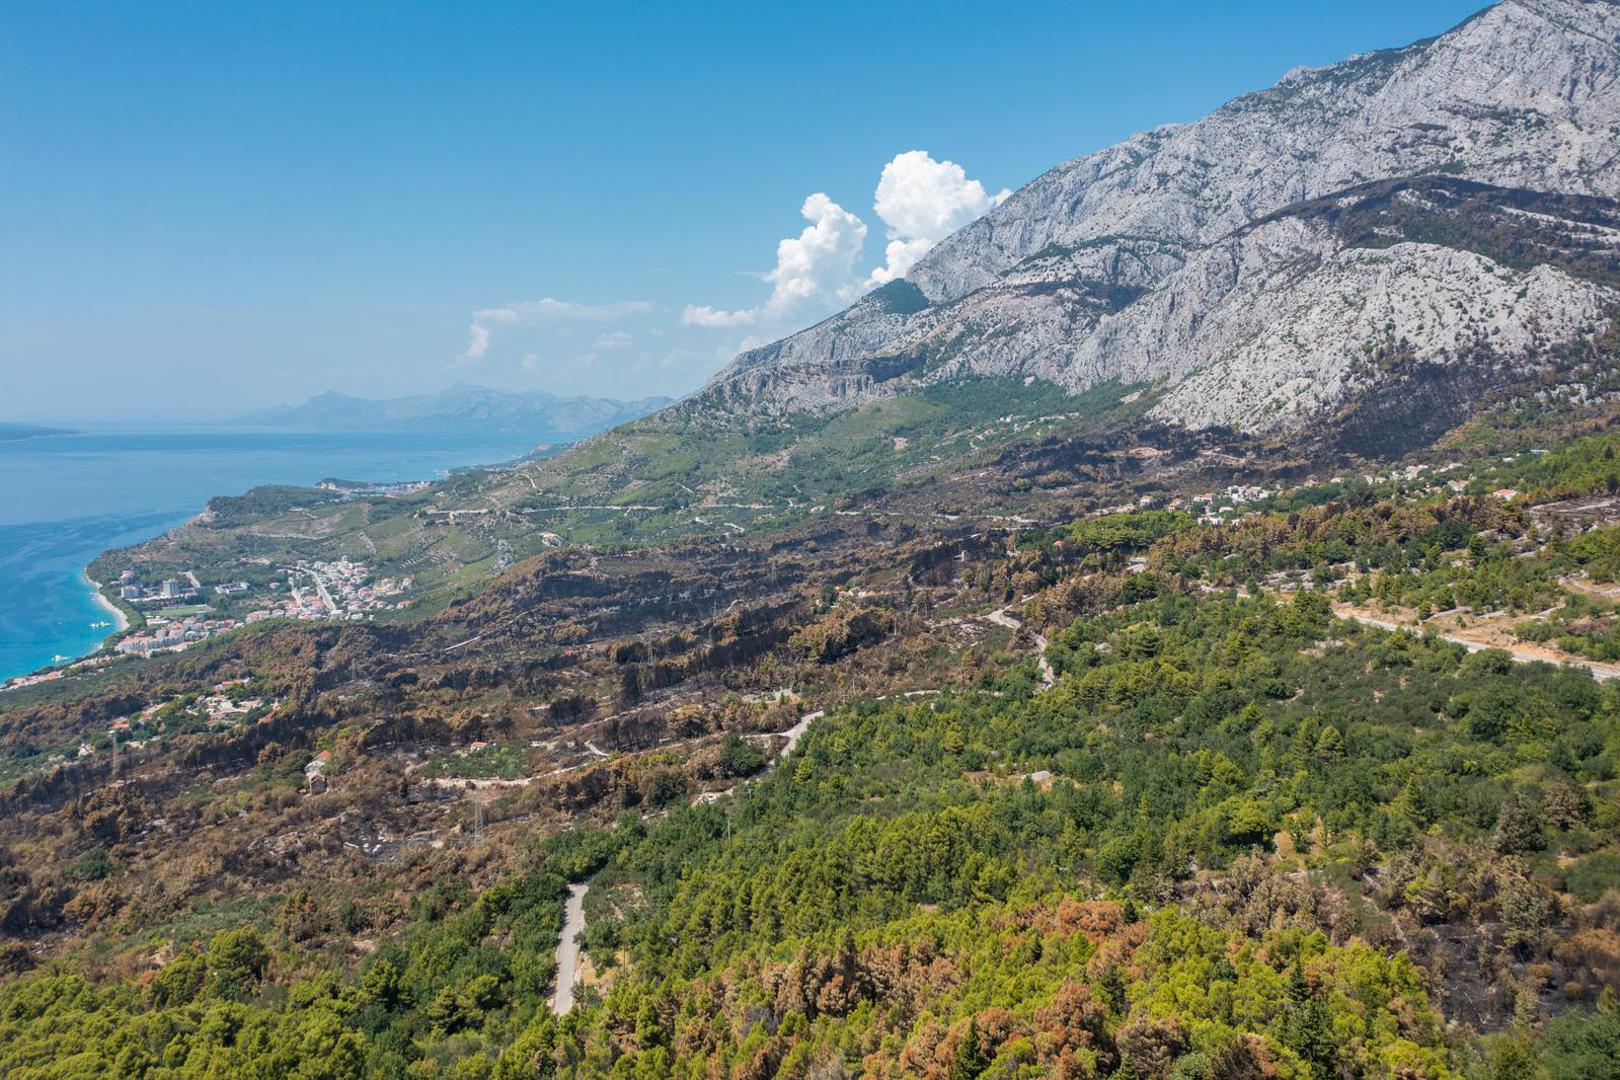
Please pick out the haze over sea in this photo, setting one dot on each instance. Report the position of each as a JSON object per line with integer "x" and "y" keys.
{"x": 64, "y": 499}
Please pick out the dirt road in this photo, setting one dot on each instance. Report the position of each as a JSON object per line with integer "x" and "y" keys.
{"x": 1523, "y": 653}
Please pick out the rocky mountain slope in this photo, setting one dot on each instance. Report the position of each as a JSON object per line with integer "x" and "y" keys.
{"x": 1212, "y": 260}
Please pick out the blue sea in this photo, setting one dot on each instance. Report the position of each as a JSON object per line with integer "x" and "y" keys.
{"x": 64, "y": 499}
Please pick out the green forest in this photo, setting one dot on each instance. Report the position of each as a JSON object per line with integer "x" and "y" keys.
{"x": 1180, "y": 861}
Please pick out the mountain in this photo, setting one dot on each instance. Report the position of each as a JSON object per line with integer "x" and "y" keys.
{"x": 463, "y": 407}
{"x": 1406, "y": 226}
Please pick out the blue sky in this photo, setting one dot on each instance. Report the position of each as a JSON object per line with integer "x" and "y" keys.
{"x": 205, "y": 208}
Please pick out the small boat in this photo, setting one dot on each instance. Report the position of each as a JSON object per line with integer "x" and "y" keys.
{"x": 101, "y": 625}
{"x": 60, "y": 659}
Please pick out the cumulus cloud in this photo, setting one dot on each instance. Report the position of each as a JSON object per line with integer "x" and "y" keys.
{"x": 818, "y": 262}
{"x": 546, "y": 309}
{"x": 814, "y": 268}
{"x": 920, "y": 202}
{"x": 704, "y": 315}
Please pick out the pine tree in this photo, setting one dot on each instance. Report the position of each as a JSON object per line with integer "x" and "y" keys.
{"x": 970, "y": 1061}
{"x": 1307, "y": 1031}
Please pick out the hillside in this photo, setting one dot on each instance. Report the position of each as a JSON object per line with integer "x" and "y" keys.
{"x": 1135, "y": 792}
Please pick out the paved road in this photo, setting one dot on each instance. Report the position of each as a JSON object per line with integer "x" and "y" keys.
{"x": 320, "y": 587}
{"x": 796, "y": 732}
{"x": 568, "y": 949}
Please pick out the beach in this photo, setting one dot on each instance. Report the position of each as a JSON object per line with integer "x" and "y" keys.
{"x": 120, "y": 620}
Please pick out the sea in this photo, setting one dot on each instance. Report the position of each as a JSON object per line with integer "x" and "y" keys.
{"x": 64, "y": 499}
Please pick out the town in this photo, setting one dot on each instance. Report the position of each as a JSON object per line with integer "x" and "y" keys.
{"x": 332, "y": 590}
{"x": 313, "y": 590}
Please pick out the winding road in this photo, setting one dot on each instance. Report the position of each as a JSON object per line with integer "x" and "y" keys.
{"x": 568, "y": 958}
{"x": 1001, "y": 618}
{"x": 562, "y": 1000}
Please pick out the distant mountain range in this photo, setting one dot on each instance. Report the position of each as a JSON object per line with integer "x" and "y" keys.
{"x": 12, "y": 432}
{"x": 463, "y": 407}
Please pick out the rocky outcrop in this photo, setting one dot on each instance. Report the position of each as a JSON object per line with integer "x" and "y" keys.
{"x": 1445, "y": 203}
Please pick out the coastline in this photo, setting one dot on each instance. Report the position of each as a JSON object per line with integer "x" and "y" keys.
{"x": 120, "y": 620}
{"x": 62, "y": 664}
{"x": 133, "y": 487}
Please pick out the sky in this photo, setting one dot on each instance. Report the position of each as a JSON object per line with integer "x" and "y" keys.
{"x": 209, "y": 208}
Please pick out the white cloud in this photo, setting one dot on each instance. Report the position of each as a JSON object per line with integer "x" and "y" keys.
{"x": 922, "y": 201}
{"x": 813, "y": 269}
{"x": 817, "y": 263}
{"x": 546, "y": 309}
{"x": 704, "y": 315}
{"x": 617, "y": 339}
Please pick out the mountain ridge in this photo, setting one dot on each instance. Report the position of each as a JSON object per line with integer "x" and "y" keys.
{"x": 548, "y": 416}
{"x": 1116, "y": 265}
